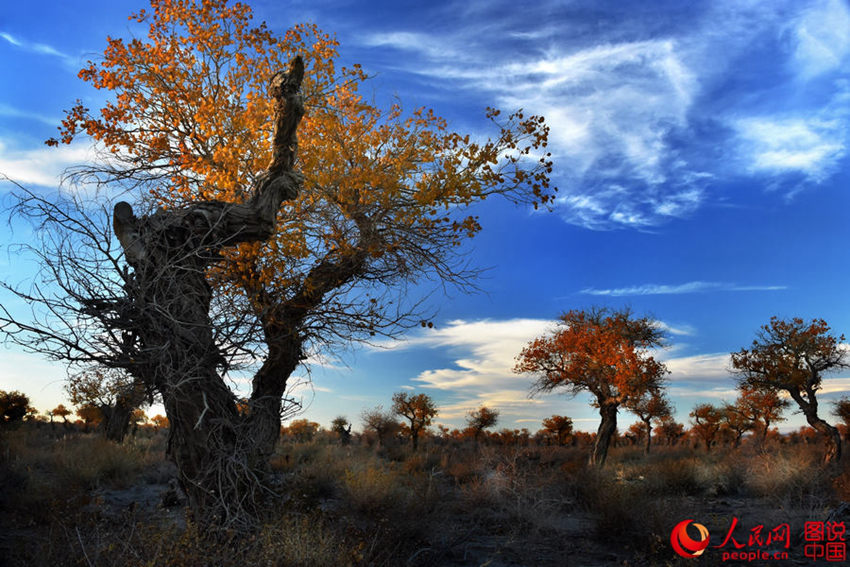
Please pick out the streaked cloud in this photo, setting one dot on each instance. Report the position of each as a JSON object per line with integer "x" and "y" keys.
{"x": 636, "y": 131}
{"x": 39, "y": 48}
{"x": 678, "y": 289}
{"x": 6, "y": 110}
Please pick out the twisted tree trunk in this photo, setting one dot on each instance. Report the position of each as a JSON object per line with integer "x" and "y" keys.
{"x": 605, "y": 433}
{"x": 809, "y": 406}
{"x": 220, "y": 454}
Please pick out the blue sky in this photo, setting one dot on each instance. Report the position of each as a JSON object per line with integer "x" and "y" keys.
{"x": 701, "y": 151}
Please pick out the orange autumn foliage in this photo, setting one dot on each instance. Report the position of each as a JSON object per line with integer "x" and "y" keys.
{"x": 385, "y": 190}
{"x": 604, "y": 354}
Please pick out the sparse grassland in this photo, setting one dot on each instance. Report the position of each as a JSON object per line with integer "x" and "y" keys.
{"x": 75, "y": 499}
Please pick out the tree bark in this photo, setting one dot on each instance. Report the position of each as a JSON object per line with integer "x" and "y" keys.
{"x": 648, "y": 437}
{"x": 605, "y": 433}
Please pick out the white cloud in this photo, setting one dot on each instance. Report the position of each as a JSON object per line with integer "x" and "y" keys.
{"x": 408, "y": 41}
{"x": 835, "y": 386}
{"x": 41, "y": 166}
{"x": 11, "y": 39}
{"x": 700, "y": 367}
{"x": 484, "y": 354}
{"x": 678, "y": 289}
{"x": 822, "y": 35}
{"x": 809, "y": 145}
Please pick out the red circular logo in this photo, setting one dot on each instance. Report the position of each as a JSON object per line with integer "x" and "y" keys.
{"x": 686, "y": 546}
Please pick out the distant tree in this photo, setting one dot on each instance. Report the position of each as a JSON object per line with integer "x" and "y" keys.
{"x": 418, "y": 410}
{"x": 159, "y": 422}
{"x": 481, "y": 419}
{"x": 736, "y": 422}
{"x": 90, "y": 414}
{"x": 761, "y": 407}
{"x": 636, "y": 433}
{"x": 114, "y": 392}
{"x": 560, "y": 426}
{"x": 302, "y": 430}
{"x": 60, "y": 411}
{"x": 706, "y": 420}
{"x": 793, "y": 355}
{"x": 342, "y": 428}
{"x": 841, "y": 410}
{"x": 138, "y": 418}
{"x": 32, "y": 414}
{"x": 508, "y": 437}
{"x": 602, "y": 352}
{"x": 13, "y": 407}
{"x": 381, "y": 423}
{"x": 670, "y": 429}
{"x": 653, "y": 404}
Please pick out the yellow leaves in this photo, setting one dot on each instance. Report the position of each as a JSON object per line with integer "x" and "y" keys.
{"x": 189, "y": 104}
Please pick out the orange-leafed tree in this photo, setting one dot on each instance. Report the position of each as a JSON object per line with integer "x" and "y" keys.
{"x": 707, "y": 420}
{"x": 635, "y": 433}
{"x": 419, "y": 410}
{"x": 90, "y": 414}
{"x": 670, "y": 429}
{"x": 735, "y": 423}
{"x": 159, "y": 421}
{"x": 761, "y": 407}
{"x": 792, "y": 355}
{"x": 301, "y": 430}
{"x": 559, "y": 426}
{"x": 480, "y": 419}
{"x": 603, "y": 352}
{"x": 62, "y": 412}
{"x": 652, "y": 405}
{"x": 201, "y": 119}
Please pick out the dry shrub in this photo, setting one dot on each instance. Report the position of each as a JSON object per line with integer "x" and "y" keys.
{"x": 373, "y": 490}
{"x": 789, "y": 478}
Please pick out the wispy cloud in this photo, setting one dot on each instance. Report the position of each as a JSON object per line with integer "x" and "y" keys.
{"x": 639, "y": 121}
{"x": 6, "y": 110}
{"x": 702, "y": 366}
{"x": 677, "y": 289}
{"x": 822, "y": 35}
{"x": 808, "y": 145}
{"x": 38, "y": 48}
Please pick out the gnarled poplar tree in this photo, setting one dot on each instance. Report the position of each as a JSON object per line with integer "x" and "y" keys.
{"x": 792, "y": 355}
{"x": 601, "y": 352}
{"x": 383, "y": 203}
